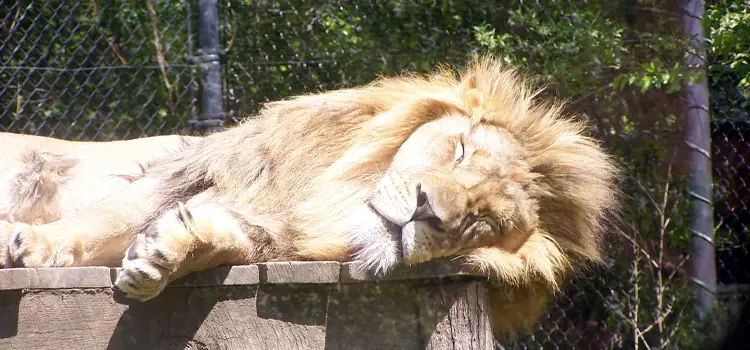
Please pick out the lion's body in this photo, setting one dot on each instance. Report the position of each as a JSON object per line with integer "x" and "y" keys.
{"x": 43, "y": 179}
{"x": 400, "y": 171}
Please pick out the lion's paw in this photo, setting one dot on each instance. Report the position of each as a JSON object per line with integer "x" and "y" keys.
{"x": 28, "y": 248}
{"x": 6, "y": 229}
{"x": 146, "y": 268}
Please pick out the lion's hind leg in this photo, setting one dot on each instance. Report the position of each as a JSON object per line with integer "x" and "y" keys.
{"x": 29, "y": 191}
{"x": 183, "y": 240}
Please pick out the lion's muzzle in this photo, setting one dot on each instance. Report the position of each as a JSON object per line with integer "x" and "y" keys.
{"x": 431, "y": 212}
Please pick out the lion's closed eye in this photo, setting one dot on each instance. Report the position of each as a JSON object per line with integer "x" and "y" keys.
{"x": 460, "y": 152}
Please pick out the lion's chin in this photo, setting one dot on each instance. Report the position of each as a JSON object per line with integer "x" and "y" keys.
{"x": 375, "y": 241}
{"x": 421, "y": 242}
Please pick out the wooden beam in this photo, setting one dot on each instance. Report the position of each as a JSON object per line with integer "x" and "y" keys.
{"x": 280, "y": 305}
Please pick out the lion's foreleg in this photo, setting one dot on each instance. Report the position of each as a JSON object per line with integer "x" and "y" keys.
{"x": 183, "y": 240}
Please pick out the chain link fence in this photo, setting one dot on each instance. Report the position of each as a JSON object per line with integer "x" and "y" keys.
{"x": 105, "y": 70}
{"x": 86, "y": 70}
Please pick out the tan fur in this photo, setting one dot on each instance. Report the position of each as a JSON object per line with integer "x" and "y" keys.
{"x": 44, "y": 178}
{"x": 401, "y": 171}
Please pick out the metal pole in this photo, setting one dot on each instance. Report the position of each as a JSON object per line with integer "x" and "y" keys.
{"x": 697, "y": 137}
{"x": 211, "y": 117}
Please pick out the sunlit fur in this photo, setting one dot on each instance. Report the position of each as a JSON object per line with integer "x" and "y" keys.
{"x": 43, "y": 179}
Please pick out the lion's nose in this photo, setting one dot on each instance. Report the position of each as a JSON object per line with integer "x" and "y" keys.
{"x": 424, "y": 211}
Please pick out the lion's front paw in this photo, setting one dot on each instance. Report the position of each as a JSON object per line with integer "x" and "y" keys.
{"x": 146, "y": 268}
{"x": 29, "y": 248}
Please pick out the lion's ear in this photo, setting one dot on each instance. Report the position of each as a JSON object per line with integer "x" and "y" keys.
{"x": 470, "y": 83}
{"x": 473, "y": 98}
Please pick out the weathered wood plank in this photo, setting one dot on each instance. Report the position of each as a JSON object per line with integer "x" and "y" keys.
{"x": 220, "y": 276}
{"x": 272, "y": 273}
{"x": 54, "y": 278}
{"x": 456, "y": 317}
{"x": 434, "y": 269}
{"x": 373, "y": 316}
{"x": 200, "y": 318}
{"x": 300, "y": 272}
{"x": 264, "y": 306}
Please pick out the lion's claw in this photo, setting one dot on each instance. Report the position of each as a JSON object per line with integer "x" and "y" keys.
{"x": 146, "y": 269}
{"x": 27, "y": 248}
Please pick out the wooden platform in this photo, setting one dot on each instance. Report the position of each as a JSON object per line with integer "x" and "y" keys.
{"x": 297, "y": 305}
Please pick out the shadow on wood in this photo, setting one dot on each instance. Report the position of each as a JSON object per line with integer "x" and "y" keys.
{"x": 173, "y": 320}
{"x": 155, "y": 324}
{"x": 304, "y": 305}
{"x": 9, "y": 302}
{"x": 373, "y": 316}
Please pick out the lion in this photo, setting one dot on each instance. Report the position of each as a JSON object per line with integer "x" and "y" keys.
{"x": 468, "y": 164}
{"x": 43, "y": 179}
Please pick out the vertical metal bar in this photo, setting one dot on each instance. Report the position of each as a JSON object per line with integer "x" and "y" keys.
{"x": 211, "y": 117}
{"x": 697, "y": 137}
{"x": 193, "y": 84}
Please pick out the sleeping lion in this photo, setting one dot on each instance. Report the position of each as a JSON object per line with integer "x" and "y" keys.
{"x": 401, "y": 171}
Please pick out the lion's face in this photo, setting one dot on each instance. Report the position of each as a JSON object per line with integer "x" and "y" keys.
{"x": 454, "y": 186}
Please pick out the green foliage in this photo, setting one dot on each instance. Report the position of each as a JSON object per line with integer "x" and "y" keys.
{"x": 584, "y": 45}
{"x": 88, "y": 69}
{"x": 728, "y": 31}
{"x": 560, "y": 46}
{"x": 288, "y": 47}
{"x": 652, "y": 74}
{"x": 728, "y": 24}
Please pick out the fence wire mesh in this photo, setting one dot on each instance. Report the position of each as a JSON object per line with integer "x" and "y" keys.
{"x": 86, "y": 70}
{"x": 104, "y": 70}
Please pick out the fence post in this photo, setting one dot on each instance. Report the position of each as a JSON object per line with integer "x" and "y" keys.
{"x": 211, "y": 117}
{"x": 697, "y": 137}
